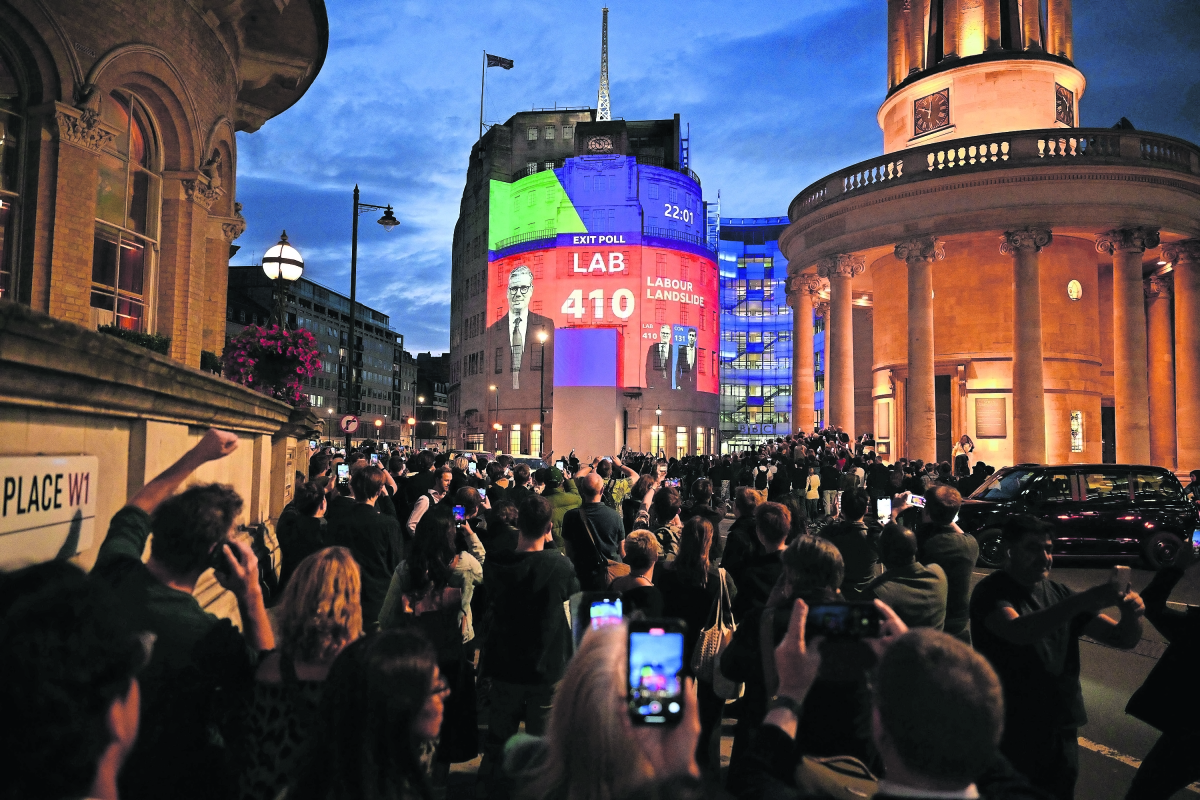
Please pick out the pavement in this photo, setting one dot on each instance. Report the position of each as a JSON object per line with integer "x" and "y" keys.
{"x": 1112, "y": 744}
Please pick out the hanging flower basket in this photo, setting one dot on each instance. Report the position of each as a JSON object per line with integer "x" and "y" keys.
{"x": 273, "y": 361}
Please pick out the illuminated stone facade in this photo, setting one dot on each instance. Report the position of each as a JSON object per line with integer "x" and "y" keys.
{"x": 1024, "y": 272}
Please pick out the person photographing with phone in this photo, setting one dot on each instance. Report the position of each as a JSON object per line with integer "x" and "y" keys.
{"x": 1028, "y": 627}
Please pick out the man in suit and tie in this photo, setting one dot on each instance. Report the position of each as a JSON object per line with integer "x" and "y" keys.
{"x": 515, "y": 337}
{"x": 658, "y": 360}
{"x": 685, "y": 363}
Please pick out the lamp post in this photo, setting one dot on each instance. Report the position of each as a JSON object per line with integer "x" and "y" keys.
{"x": 282, "y": 264}
{"x": 658, "y": 425}
{"x": 378, "y": 425}
{"x": 497, "y": 427}
{"x": 542, "y": 337}
{"x": 412, "y": 432}
{"x": 388, "y": 221}
{"x": 492, "y": 388}
{"x": 419, "y": 402}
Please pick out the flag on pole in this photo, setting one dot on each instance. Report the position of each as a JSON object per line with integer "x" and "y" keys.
{"x": 497, "y": 61}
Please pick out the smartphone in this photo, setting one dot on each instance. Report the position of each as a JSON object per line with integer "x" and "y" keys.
{"x": 482, "y": 493}
{"x": 1121, "y": 579}
{"x": 843, "y": 621}
{"x": 672, "y": 482}
{"x": 471, "y": 468}
{"x": 558, "y": 464}
{"x": 883, "y": 508}
{"x": 655, "y": 668}
{"x": 917, "y": 501}
{"x": 343, "y": 473}
{"x": 595, "y": 610}
{"x": 460, "y": 514}
{"x": 217, "y": 560}
{"x": 312, "y": 443}
{"x": 374, "y": 459}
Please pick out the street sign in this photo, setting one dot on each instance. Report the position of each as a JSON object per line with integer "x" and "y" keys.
{"x": 349, "y": 423}
{"x": 47, "y": 507}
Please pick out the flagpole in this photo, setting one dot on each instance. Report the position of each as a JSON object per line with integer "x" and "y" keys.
{"x": 482, "y": 86}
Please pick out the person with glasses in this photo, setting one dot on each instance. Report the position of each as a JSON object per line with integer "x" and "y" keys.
{"x": 516, "y": 337}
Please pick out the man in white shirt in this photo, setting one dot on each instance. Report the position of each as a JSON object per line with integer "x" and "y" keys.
{"x": 515, "y": 337}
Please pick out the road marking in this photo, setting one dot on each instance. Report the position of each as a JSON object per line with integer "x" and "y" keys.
{"x": 1129, "y": 761}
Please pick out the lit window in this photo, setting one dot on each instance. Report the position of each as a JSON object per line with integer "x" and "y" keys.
{"x": 532, "y": 133}
{"x": 10, "y": 129}
{"x": 548, "y": 133}
{"x": 568, "y": 131}
{"x": 128, "y": 195}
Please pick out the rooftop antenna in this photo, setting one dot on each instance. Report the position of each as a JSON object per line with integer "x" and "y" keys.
{"x": 602, "y": 103}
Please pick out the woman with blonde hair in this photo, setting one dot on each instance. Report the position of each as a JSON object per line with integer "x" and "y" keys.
{"x": 319, "y": 614}
{"x": 591, "y": 750}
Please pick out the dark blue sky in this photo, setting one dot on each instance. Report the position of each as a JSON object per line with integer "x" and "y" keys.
{"x": 777, "y": 95}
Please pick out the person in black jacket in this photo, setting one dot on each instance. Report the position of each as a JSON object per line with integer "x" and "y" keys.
{"x": 302, "y": 529}
{"x": 373, "y": 539}
{"x": 1167, "y": 699}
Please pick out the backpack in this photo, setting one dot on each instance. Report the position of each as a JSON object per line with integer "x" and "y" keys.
{"x": 606, "y": 496}
{"x": 760, "y": 478}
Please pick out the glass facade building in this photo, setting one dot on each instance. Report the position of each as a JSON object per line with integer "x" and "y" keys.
{"x": 756, "y": 333}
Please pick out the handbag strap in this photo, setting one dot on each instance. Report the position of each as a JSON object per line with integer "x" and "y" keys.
{"x": 587, "y": 526}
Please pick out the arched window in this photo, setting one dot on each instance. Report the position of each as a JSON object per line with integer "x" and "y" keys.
{"x": 128, "y": 200}
{"x": 10, "y": 131}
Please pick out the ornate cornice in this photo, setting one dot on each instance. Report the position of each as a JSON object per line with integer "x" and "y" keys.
{"x": 82, "y": 129}
{"x": 841, "y": 265}
{"x": 1127, "y": 240}
{"x": 921, "y": 248}
{"x": 200, "y": 193}
{"x": 1185, "y": 251}
{"x": 1033, "y": 239}
{"x": 1159, "y": 286}
{"x": 822, "y": 309}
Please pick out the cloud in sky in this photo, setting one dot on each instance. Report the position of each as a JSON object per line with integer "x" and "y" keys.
{"x": 777, "y": 96}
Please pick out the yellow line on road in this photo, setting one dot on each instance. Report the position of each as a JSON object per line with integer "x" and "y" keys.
{"x": 1129, "y": 761}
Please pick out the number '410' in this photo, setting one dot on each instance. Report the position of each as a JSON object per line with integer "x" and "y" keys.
{"x": 621, "y": 303}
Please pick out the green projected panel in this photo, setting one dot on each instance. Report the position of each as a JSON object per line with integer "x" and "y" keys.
{"x": 535, "y": 203}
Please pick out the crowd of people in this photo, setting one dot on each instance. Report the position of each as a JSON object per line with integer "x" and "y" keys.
{"x": 421, "y": 600}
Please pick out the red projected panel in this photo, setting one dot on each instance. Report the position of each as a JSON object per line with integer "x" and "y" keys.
{"x": 662, "y": 302}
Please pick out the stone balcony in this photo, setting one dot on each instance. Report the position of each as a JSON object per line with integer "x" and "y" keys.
{"x": 1085, "y": 178}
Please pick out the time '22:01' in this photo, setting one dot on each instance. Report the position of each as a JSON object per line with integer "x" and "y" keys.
{"x": 675, "y": 212}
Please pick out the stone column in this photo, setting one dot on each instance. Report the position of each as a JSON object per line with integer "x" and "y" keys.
{"x": 991, "y": 24}
{"x": 801, "y": 290}
{"x": 1185, "y": 256}
{"x": 1028, "y": 383}
{"x": 950, "y": 29}
{"x": 1058, "y": 28}
{"x": 1031, "y": 24}
{"x": 1161, "y": 359}
{"x": 1131, "y": 385}
{"x": 920, "y": 409}
{"x": 897, "y": 60}
{"x": 839, "y": 371}
{"x": 915, "y": 35}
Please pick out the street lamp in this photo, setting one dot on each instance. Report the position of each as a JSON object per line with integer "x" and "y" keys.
{"x": 497, "y": 427}
{"x": 282, "y": 264}
{"x": 418, "y": 403}
{"x": 661, "y": 434}
{"x": 492, "y": 388}
{"x": 388, "y": 221}
{"x": 542, "y": 337}
{"x": 378, "y": 425}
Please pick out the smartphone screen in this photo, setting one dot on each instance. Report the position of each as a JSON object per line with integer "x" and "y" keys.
{"x": 471, "y": 468}
{"x": 460, "y": 514}
{"x": 883, "y": 507}
{"x": 374, "y": 459}
{"x": 605, "y": 611}
{"x": 843, "y": 621}
{"x": 343, "y": 474}
{"x": 558, "y": 464}
{"x": 917, "y": 501}
{"x": 483, "y": 493}
{"x": 655, "y": 664}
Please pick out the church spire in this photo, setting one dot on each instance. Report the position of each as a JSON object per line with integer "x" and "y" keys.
{"x": 603, "y": 112}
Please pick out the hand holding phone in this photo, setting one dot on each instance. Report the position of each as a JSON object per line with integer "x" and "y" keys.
{"x": 1121, "y": 579}
{"x": 655, "y": 692}
{"x": 460, "y": 514}
{"x": 343, "y": 473}
{"x": 916, "y": 500}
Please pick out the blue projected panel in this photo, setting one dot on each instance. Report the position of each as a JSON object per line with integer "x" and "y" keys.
{"x": 585, "y": 357}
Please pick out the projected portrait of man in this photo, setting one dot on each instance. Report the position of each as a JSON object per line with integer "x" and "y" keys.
{"x": 515, "y": 335}
{"x": 658, "y": 360}
{"x": 685, "y": 363}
